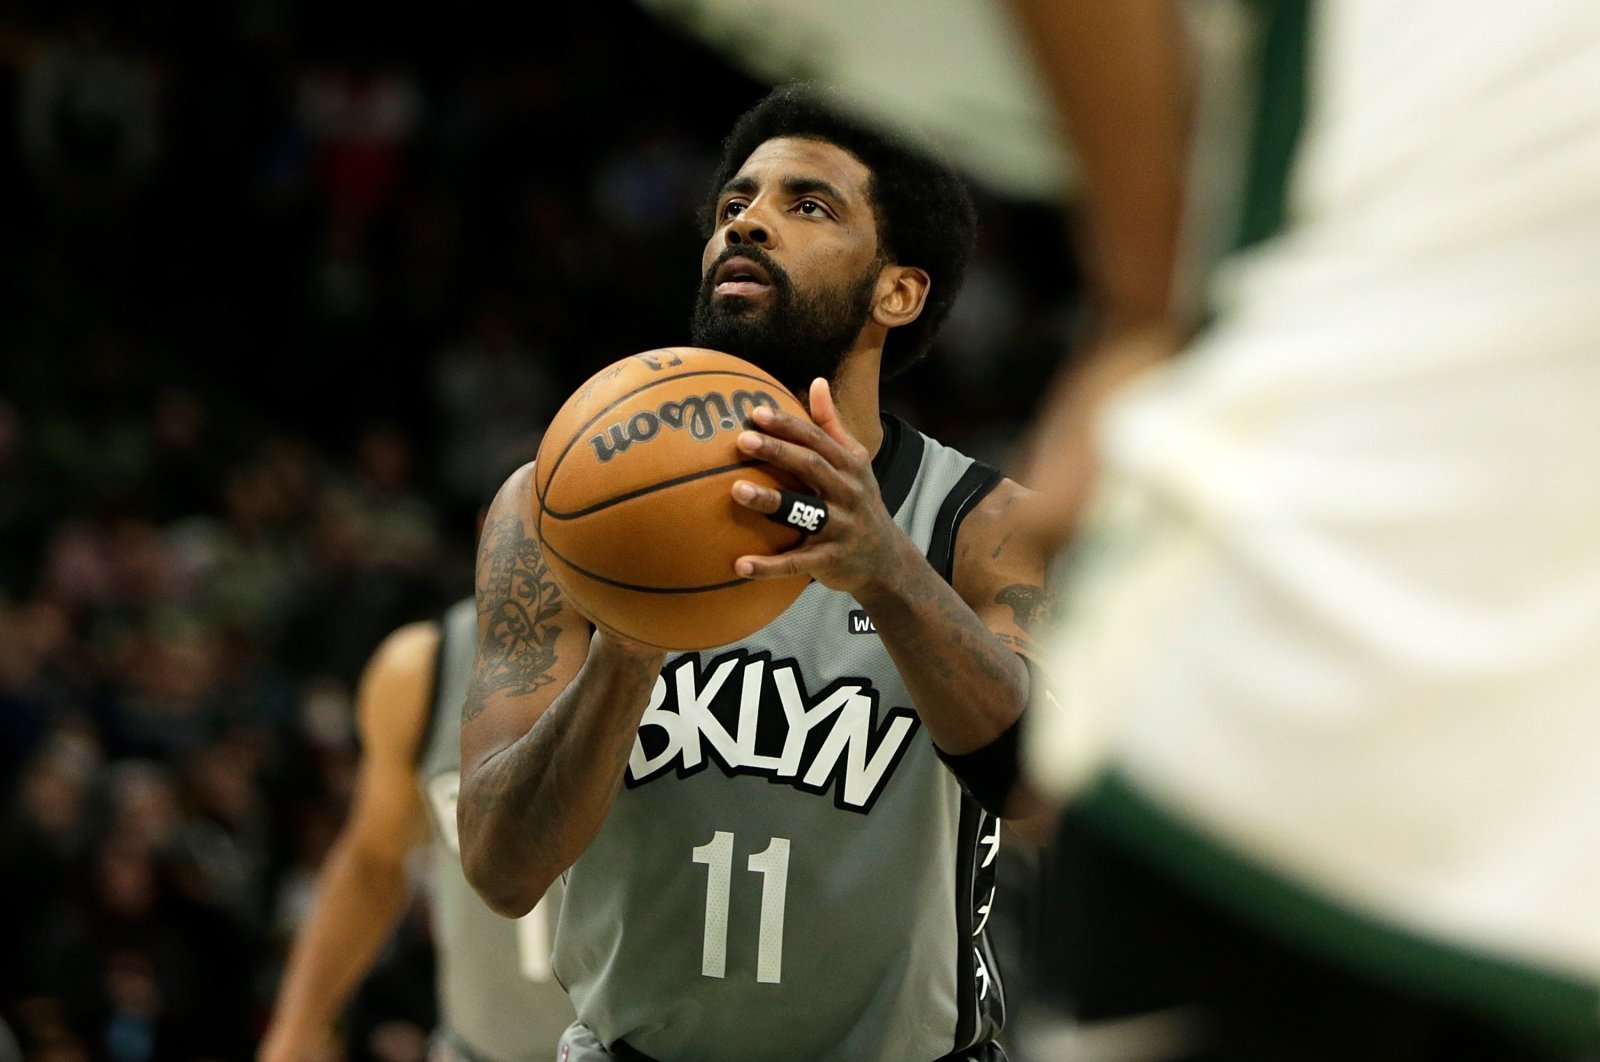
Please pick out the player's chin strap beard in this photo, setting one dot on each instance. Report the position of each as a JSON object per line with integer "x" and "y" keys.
{"x": 806, "y": 513}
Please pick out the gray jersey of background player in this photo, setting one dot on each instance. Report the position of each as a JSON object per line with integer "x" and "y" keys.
{"x": 775, "y": 849}
{"x": 497, "y": 998}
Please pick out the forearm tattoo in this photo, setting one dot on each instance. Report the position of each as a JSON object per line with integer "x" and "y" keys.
{"x": 518, "y": 603}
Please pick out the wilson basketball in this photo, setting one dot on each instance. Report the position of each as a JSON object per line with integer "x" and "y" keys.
{"x": 636, "y": 515}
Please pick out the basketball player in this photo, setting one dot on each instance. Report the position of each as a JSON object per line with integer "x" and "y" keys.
{"x": 782, "y": 848}
{"x": 1335, "y": 635}
{"x": 497, "y": 999}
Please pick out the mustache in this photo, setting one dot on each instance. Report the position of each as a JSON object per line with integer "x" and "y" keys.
{"x": 780, "y": 278}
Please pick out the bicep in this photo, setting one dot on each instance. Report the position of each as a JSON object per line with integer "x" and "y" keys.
{"x": 531, "y": 639}
{"x": 1000, "y": 569}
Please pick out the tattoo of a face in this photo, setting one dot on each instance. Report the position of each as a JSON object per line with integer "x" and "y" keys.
{"x": 1033, "y": 606}
{"x": 518, "y": 602}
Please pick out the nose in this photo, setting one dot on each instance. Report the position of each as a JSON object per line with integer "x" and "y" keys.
{"x": 748, "y": 229}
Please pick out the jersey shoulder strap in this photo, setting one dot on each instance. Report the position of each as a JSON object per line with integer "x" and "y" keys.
{"x": 973, "y": 486}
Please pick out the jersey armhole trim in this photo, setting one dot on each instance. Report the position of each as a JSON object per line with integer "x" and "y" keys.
{"x": 897, "y": 461}
{"x": 973, "y": 486}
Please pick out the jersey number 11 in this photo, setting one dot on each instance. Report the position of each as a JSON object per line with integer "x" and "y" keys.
{"x": 773, "y": 866}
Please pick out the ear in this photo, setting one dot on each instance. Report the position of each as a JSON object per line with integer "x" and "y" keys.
{"x": 900, "y": 294}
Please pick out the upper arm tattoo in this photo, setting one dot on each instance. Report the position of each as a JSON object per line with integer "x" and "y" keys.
{"x": 1033, "y": 606}
{"x": 518, "y": 604}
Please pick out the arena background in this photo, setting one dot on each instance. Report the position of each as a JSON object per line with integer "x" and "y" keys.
{"x": 283, "y": 288}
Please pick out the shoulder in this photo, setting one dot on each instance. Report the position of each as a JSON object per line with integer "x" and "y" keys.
{"x": 521, "y": 480}
{"x": 392, "y": 701}
{"x": 999, "y": 507}
{"x": 514, "y": 500}
{"x": 996, "y": 540}
{"x": 406, "y": 652}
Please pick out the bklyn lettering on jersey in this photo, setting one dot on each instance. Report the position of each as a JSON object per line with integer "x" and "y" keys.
{"x": 750, "y": 714}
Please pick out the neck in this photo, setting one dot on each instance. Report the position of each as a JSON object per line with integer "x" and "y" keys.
{"x": 855, "y": 395}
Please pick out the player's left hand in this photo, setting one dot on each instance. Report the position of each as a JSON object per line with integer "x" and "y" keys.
{"x": 860, "y": 542}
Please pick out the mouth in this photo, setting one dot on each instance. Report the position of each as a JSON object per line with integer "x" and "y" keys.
{"x": 742, "y": 277}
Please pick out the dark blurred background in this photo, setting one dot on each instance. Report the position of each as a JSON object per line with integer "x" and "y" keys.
{"x": 284, "y": 286}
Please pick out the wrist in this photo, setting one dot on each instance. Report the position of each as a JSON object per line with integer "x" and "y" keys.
{"x": 613, "y": 646}
{"x": 894, "y": 582}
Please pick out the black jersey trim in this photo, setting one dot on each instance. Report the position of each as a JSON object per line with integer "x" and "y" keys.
{"x": 973, "y": 486}
{"x": 980, "y": 993}
{"x": 897, "y": 462}
{"x": 976, "y": 1018}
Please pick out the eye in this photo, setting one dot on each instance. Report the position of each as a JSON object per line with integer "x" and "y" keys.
{"x": 732, "y": 208}
{"x": 811, "y": 208}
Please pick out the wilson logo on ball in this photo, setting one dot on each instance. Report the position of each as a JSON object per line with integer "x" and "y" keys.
{"x": 702, "y": 415}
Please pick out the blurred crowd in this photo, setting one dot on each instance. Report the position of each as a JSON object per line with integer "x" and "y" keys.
{"x": 285, "y": 289}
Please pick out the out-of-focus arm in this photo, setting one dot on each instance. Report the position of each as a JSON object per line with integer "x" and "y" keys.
{"x": 1119, "y": 75}
{"x": 363, "y": 888}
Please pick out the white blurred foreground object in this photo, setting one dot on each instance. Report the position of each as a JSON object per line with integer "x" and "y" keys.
{"x": 949, "y": 71}
{"x": 1332, "y": 631}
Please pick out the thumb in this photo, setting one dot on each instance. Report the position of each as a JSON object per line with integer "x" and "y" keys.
{"x": 826, "y": 415}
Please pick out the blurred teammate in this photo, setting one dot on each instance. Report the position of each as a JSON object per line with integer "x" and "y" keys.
{"x": 765, "y": 854}
{"x": 1332, "y": 752}
{"x": 497, "y": 1000}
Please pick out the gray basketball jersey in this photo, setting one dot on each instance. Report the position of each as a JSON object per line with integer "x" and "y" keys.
{"x": 790, "y": 872}
{"x": 497, "y": 998}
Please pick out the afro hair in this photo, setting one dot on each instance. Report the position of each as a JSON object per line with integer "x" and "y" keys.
{"x": 924, "y": 211}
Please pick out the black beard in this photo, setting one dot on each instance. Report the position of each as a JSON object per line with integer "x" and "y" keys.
{"x": 797, "y": 338}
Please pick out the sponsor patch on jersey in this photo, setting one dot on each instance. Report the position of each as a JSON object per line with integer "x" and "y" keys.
{"x": 750, "y": 714}
{"x": 861, "y": 623}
